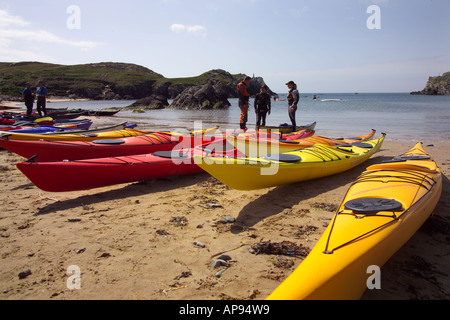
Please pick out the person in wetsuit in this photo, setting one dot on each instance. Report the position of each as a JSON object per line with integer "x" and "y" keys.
{"x": 262, "y": 107}
{"x": 28, "y": 97}
{"x": 244, "y": 99}
{"x": 293, "y": 99}
{"x": 41, "y": 93}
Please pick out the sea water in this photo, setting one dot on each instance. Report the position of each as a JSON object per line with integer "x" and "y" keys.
{"x": 400, "y": 115}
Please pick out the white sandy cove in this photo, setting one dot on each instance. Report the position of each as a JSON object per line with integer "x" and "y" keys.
{"x": 136, "y": 241}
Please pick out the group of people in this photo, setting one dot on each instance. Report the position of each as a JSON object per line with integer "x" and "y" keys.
{"x": 262, "y": 103}
{"x": 40, "y": 95}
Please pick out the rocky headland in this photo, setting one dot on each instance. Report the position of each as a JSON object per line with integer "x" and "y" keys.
{"x": 211, "y": 91}
{"x": 436, "y": 86}
{"x": 121, "y": 81}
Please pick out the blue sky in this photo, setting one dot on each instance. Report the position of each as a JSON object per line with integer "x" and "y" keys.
{"x": 323, "y": 45}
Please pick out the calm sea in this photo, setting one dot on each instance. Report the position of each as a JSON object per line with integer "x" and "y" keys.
{"x": 402, "y": 116}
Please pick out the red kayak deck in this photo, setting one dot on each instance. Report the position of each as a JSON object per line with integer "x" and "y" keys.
{"x": 51, "y": 151}
{"x": 64, "y": 176}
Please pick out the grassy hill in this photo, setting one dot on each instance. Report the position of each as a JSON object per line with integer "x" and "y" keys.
{"x": 86, "y": 80}
{"x": 106, "y": 80}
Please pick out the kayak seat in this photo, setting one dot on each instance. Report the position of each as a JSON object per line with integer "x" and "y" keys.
{"x": 170, "y": 155}
{"x": 362, "y": 145}
{"x": 289, "y": 142}
{"x": 287, "y": 158}
{"x": 356, "y": 144}
{"x": 354, "y": 138}
{"x": 92, "y": 135}
{"x": 109, "y": 141}
{"x": 371, "y": 206}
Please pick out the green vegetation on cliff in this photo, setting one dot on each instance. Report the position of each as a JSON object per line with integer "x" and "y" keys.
{"x": 122, "y": 81}
{"x": 84, "y": 81}
{"x": 105, "y": 80}
{"x": 439, "y": 85}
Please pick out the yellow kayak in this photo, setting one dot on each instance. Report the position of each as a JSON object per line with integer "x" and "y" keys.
{"x": 88, "y": 137}
{"x": 278, "y": 169}
{"x": 251, "y": 145}
{"x": 384, "y": 207}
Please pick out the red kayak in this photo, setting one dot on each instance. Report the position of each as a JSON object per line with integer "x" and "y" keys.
{"x": 64, "y": 176}
{"x": 46, "y": 151}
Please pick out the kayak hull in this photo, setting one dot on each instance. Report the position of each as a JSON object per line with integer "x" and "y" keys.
{"x": 90, "y": 136}
{"x": 47, "y": 151}
{"x": 95, "y": 173}
{"x": 74, "y": 137}
{"x": 339, "y": 266}
{"x": 260, "y": 147}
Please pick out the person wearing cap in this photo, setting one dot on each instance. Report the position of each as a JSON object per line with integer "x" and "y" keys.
{"x": 262, "y": 107}
{"x": 244, "y": 99}
{"x": 293, "y": 99}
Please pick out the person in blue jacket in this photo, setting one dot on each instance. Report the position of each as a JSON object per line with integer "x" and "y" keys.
{"x": 41, "y": 93}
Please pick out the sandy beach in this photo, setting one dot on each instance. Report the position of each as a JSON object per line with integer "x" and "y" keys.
{"x": 155, "y": 240}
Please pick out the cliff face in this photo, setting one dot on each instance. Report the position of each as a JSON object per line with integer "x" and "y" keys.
{"x": 437, "y": 86}
{"x": 210, "y": 90}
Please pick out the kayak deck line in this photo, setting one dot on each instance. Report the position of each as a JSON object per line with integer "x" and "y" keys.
{"x": 413, "y": 178}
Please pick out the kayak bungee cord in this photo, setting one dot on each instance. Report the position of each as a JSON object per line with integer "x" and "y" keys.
{"x": 414, "y": 177}
{"x": 324, "y": 153}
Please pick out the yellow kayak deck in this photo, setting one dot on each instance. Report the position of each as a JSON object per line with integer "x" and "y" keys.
{"x": 306, "y": 164}
{"x": 88, "y": 137}
{"x": 251, "y": 145}
{"x": 383, "y": 208}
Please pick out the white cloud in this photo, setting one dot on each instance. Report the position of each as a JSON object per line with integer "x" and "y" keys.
{"x": 197, "y": 30}
{"x": 43, "y": 36}
{"x": 178, "y": 28}
{"x": 7, "y": 20}
{"x": 15, "y": 29}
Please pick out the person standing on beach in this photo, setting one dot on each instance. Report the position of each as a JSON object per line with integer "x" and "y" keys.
{"x": 244, "y": 100}
{"x": 41, "y": 93}
{"x": 262, "y": 107}
{"x": 28, "y": 97}
{"x": 293, "y": 99}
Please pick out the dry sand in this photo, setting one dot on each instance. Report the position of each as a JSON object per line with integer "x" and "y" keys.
{"x": 136, "y": 241}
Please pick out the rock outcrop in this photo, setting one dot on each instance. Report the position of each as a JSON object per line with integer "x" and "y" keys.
{"x": 214, "y": 94}
{"x": 152, "y": 102}
{"x": 436, "y": 86}
{"x": 207, "y": 96}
